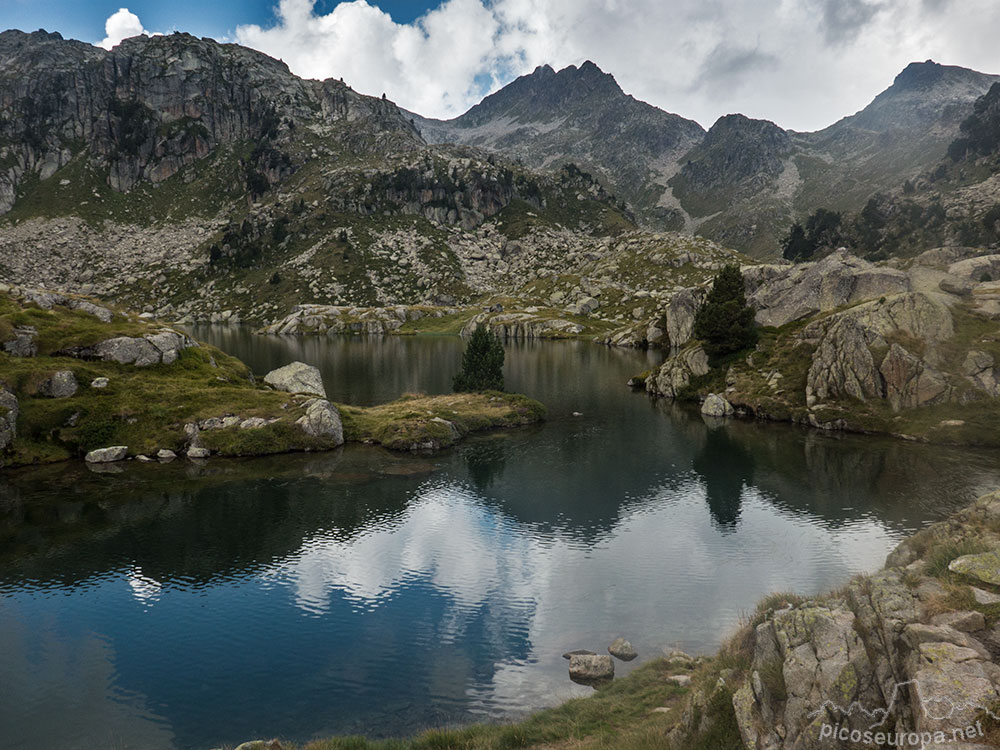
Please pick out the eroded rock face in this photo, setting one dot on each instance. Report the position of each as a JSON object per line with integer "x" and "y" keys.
{"x": 679, "y": 315}
{"x": 783, "y": 293}
{"x": 297, "y": 377}
{"x": 843, "y": 365}
{"x": 322, "y": 419}
{"x": 979, "y": 368}
{"x": 675, "y": 374}
{"x": 910, "y": 382}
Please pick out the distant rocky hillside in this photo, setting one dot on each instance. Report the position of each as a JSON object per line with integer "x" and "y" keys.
{"x": 581, "y": 115}
{"x": 744, "y": 181}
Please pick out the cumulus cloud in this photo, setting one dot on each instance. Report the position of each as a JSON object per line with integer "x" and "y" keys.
{"x": 802, "y": 63}
{"x": 121, "y": 24}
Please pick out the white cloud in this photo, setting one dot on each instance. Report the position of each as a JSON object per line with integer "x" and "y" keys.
{"x": 121, "y": 24}
{"x": 802, "y": 63}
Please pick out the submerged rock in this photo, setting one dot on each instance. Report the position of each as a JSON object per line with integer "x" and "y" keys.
{"x": 297, "y": 377}
{"x": 578, "y": 652}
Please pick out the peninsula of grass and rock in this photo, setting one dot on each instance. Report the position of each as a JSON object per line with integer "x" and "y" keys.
{"x": 79, "y": 379}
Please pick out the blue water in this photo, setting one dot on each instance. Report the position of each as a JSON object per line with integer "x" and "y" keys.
{"x": 362, "y": 591}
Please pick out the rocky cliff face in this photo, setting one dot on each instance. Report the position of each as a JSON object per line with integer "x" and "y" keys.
{"x": 153, "y": 105}
{"x": 581, "y": 115}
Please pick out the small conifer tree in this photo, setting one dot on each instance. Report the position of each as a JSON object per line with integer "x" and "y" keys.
{"x": 482, "y": 363}
{"x": 725, "y": 322}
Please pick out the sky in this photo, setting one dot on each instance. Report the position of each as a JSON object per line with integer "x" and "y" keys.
{"x": 801, "y": 63}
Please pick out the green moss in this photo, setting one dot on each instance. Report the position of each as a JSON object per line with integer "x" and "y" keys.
{"x": 416, "y": 420}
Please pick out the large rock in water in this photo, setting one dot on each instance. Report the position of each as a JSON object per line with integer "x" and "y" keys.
{"x": 783, "y": 293}
{"x": 107, "y": 455}
{"x": 622, "y": 649}
{"x": 322, "y": 419}
{"x": 716, "y": 406}
{"x": 298, "y": 377}
{"x": 588, "y": 669}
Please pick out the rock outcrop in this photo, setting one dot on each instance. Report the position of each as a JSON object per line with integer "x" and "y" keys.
{"x": 335, "y": 319}
{"x": 894, "y": 652}
{"x": 322, "y": 419}
{"x": 676, "y": 373}
{"x": 162, "y": 347}
{"x": 523, "y": 325}
{"x": 297, "y": 377}
{"x": 783, "y": 293}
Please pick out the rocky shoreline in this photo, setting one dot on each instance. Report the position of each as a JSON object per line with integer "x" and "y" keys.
{"x": 848, "y": 345}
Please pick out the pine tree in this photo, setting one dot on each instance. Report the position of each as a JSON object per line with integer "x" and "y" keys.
{"x": 725, "y": 322}
{"x": 482, "y": 363}
{"x": 795, "y": 246}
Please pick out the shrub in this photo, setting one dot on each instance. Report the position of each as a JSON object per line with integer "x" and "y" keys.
{"x": 725, "y": 322}
{"x": 482, "y": 363}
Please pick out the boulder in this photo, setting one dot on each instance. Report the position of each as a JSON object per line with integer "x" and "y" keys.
{"x": 297, "y": 377}
{"x": 23, "y": 344}
{"x": 107, "y": 455}
{"x": 911, "y": 382}
{"x": 588, "y": 669}
{"x": 128, "y": 351}
{"x": 99, "y": 383}
{"x": 716, "y": 406}
{"x": 675, "y": 374}
{"x": 197, "y": 451}
{"x": 622, "y": 649}
{"x": 8, "y": 418}
{"x": 983, "y": 567}
{"x": 165, "y": 454}
{"x": 61, "y": 384}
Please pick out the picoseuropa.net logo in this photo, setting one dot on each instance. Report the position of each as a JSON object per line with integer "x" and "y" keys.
{"x": 952, "y": 721}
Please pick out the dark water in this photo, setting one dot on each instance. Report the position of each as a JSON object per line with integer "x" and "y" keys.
{"x": 367, "y": 592}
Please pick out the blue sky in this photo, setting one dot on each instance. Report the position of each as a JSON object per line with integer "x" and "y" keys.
{"x": 801, "y": 63}
{"x": 84, "y": 19}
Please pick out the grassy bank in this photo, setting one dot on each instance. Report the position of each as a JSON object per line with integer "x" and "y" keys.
{"x": 416, "y": 420}
{"x": 147, "y": 408}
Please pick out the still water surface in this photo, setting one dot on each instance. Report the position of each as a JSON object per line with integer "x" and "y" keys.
{"x": 367, "y": 592}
